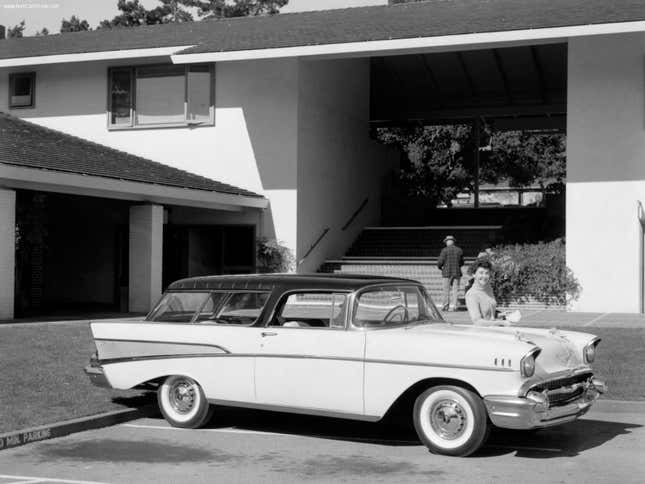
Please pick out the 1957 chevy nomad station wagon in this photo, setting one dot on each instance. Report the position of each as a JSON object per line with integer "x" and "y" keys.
{"x": 344, "y": 346}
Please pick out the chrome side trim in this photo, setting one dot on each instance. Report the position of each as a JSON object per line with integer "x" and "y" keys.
{"x": 162, "y": 342}
{"x": 300, "y": 410}
{"x": 304, "y": 357}
{"x": 126, "y": 359}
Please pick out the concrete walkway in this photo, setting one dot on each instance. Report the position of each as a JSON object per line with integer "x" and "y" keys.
{"x": 549, "y": 318}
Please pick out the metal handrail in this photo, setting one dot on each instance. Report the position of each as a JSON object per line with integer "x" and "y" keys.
{"x": 355, "y": 214}
{"x": 314, "y": 245}
{"x": 640, "y": 213}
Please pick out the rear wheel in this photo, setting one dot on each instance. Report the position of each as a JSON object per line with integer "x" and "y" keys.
{"x": 183, "y": 403}
{"x": 451, "y": 420}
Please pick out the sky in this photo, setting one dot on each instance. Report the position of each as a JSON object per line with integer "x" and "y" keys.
{"x": 48, "y": 13}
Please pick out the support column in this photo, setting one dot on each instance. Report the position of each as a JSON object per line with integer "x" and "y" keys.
{"x": 7, "y": 252}
{"x": 146, "y": 245}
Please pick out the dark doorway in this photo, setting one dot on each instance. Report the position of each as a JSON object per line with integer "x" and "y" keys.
{"x": 207, "y": 250}
{"x": 71, "y": 254}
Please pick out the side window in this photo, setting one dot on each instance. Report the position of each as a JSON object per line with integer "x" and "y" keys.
{"x": 177, "y": 307}
{"x": 240, "y": 308}
{"x": 207, "y": 312}
{"x": 22, "y": 88}
{"x": 389, "y": 305}
{"x": 312, "y": 310}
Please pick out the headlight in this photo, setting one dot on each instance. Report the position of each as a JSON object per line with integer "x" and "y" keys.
{"x": 589, "y": 351}
{"x": 527, "y": 364}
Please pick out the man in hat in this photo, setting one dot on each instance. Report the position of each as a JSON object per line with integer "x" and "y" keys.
{"x": 450, "y": 261}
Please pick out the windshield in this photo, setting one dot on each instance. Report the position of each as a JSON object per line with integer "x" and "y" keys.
{"x": 393, "y": 305}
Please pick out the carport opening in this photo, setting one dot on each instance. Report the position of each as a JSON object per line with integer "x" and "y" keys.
{"x": 488, "y": 98}
{"x": 71, "y": 254}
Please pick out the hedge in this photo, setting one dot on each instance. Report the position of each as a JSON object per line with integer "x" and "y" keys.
{"x": 538, "y": 271}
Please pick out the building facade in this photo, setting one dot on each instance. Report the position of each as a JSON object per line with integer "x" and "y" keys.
{"x": 282, "y": 106}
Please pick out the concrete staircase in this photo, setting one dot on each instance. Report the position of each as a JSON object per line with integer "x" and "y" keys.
{"x": 410, "y": 252}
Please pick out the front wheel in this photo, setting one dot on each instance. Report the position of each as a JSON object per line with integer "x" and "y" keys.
{"x": 451, "y": 420}
{"x": 183, "y": 403}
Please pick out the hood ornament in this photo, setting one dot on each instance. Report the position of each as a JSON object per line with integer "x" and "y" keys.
{"x": 522, "y": 337}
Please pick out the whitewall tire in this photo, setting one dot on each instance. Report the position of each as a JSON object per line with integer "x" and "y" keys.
{"x": 451, "y": 420}
{"x": 183, "y": 403}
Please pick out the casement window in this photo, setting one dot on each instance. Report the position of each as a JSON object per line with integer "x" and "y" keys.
{"x": 22, "y": 90}
{"x": 160, "y": 95}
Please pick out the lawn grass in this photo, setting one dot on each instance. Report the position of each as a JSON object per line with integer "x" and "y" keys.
{"x": 620, "y": 361}
{"x": 42, "y": 379}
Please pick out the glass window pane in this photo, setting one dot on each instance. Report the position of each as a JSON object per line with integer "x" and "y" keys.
{"x": 242, "y": 308}
{"x": 22, "y": 90}
{"x": 313, "y": 310}
{"x": 160, "y": 95}
{"x": 392, "y": 305}
{"x": 207, "y": 312}
{"x": 199, "y": 93}
{"x": 178, "y": 307}
{"x": 120, "y": 97}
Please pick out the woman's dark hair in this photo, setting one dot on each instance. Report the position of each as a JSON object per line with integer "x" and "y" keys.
{"x": 484, "y": 264}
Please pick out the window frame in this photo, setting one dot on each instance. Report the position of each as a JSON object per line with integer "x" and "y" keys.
{"x": 420, "y": 290}
{"x": 208, "y": 292}
{"x": 133, "y": 98}
{"x": 32, "y": 80}
{"x": 279, "y": 306}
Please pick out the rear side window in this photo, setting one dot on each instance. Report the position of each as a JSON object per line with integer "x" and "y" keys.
{"x": 312, "y": 310}
{"x": 177, "y": 307}
{"x": 239, "y": 308}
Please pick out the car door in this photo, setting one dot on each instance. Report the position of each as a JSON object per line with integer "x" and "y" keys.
{"x": 308, "y": 359}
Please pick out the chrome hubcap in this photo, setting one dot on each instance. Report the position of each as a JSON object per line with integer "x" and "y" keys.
{"x": 448, "y": 419}
{"x": 182, "y": 396}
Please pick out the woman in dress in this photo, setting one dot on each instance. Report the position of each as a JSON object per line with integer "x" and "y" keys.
{"x": 480, "y": 300}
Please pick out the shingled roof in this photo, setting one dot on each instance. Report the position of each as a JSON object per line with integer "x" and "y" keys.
{"x": 410, "y": 20}
{"x": 33, "y": 146}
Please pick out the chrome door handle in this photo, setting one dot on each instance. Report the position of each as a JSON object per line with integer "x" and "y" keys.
{"x": 265, "y": 334}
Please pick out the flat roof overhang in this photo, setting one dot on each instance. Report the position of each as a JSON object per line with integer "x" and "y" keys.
{"x": 519, "y": 87}
{"x": 18, "y": 177}
{"x": 421, "y": 44}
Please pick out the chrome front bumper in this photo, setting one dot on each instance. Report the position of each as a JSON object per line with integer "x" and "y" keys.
{"x": 534, "y": 412}
{"x": 97, "y": 376}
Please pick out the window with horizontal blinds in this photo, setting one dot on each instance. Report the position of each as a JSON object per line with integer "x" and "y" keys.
{"x": 161, "y": 95}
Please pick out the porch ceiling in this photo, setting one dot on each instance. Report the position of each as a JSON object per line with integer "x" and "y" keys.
{"x": 515, "y": 86}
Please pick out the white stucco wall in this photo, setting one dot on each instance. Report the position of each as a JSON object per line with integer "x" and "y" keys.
{"x": 252, "y": 145}
{"x": 605, "y": 168}
{"x": 338, "y": 164}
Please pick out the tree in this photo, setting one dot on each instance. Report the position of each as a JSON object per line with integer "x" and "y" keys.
{"x": 525, "y": 158}
{"x": 16, "y": 31}
{"x": 74, "y": 24}
{"x": 236, "y": 8}
{"x": 42, "y": 32}
{"x": 440, "y": 159}
{"x": 132, "y": 14}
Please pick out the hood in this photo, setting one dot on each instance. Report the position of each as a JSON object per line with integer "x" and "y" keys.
{"x": 481, "y": 346}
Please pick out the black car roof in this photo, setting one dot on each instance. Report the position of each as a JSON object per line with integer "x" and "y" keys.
{"x": 349, "y": 282}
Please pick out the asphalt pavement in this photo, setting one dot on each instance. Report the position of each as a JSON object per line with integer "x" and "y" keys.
{"x": 248, "y": 446}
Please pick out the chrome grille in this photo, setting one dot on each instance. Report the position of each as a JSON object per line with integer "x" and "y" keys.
{"x": 561, "y": 391}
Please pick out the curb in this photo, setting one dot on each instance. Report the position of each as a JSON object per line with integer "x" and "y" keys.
{"x": 60, "y": 429}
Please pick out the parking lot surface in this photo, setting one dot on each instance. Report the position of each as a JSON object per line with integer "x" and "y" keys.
{"x": 241, "y": 446}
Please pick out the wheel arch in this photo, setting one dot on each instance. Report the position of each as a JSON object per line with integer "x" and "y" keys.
{"x": 404, "y": 403}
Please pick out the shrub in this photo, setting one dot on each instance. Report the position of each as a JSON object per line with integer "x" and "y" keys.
{"x": 522, "y": 271}
{"x": 273, "y": 256}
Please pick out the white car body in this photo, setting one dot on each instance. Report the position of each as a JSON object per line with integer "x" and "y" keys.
{"x": 350, "y": 372}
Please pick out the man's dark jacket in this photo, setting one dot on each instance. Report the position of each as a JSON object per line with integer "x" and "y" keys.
{"x": 450, "y": 261}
